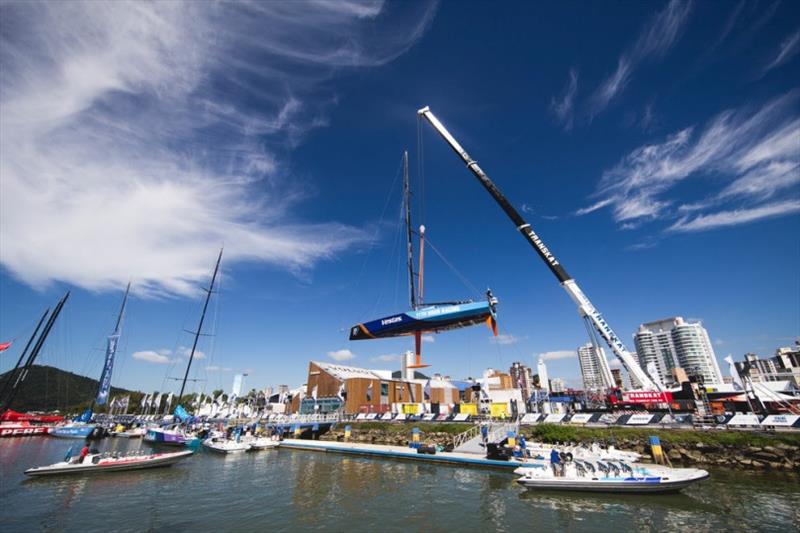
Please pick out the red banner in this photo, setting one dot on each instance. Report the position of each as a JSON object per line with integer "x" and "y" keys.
{"x": 647, "y": 397}
{"x": 5, "y": 345}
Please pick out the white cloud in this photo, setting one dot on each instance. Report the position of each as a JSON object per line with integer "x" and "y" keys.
{"x": 387, "y": 358}
{"x": 614, "y": 363}
{"x": 786, "y": 51}
{"x": 125, "y": 136}
{"x": 564, "y": 106}
{"x": 186, "y": 351}
{"x": 216, "y": 368}
{"x": 428, "y": 338}
{"x": 736, "y": 216}
{"x": 505, "y": 339}
{"x": 656, "y": 37}
{"x": 152, "y": 356}
{"x": 341, "y": 355}
{"x": 558, "y": 354}
{"x": 752, "y": 154}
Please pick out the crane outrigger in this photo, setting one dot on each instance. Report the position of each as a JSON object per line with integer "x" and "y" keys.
{"x": 587, "y": 311}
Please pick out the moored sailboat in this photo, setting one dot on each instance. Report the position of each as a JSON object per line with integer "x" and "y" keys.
{"x": 178, "y": 434}
{"x": 81, "y": 427}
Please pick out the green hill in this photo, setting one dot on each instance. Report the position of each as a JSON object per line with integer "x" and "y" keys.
{"x": 51, "y": 389}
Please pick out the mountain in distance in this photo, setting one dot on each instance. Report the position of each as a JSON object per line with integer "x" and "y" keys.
{"x": 51, "y": 389}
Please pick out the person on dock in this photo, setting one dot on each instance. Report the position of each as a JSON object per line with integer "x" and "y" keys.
{"x": 485, "y": 434}
{"x": 523, "y": 446}
{"x": 555, "y": 461}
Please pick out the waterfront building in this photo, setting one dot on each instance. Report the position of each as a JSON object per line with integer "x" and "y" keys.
{"x": 544, "y": 381}
{"x": 238, "y": 383}
{"x": 673, "y": 342}
{"x": 522, "y": 378}
{"x": 333, "y": 386}
{"x": 594, "y": 368}
{"x": 783, "y": 366}
{"x": 557, "y": 385}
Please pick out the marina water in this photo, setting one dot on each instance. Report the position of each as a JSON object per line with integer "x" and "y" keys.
{"x": 285, "y": 490}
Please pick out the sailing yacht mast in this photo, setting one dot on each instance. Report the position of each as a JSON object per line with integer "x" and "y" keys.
{"x": 407, "y": 201}
{"x": 104, "y": 385}
{"x": 200, "y": 326}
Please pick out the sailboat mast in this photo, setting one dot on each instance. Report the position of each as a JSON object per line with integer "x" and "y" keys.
{"x": 104, "y": 385}
{"x": 200, "y": 326}
{"x": 12, "y": 375}
{"x": 36, "y": 349}
{"x": 407, "y": 201}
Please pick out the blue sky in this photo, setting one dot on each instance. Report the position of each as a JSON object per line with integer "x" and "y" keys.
{"x": 654, "y": 147}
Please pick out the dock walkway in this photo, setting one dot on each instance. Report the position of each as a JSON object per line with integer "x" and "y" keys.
{"x": 403, "y": 452}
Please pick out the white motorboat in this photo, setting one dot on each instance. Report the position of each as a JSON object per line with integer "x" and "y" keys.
{"x": 223, "y": 445}
{"x": 95, "y": 463}
{"x": 609, "y": 476}
{"x": 262, "y": 443}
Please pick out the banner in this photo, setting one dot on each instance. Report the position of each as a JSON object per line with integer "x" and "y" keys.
{"x": 741, "y": 419}
{"x": 781, "y": 420}
{"x": 647, "y": 397}
{"x": 580, "y": 418}
{"x": 553, "y": 419}
{"x": 105, "y": 377}
{"x": 639, "y": 420}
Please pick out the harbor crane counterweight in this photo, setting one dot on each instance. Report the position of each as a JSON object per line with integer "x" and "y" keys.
{"x": 585, "y": 307}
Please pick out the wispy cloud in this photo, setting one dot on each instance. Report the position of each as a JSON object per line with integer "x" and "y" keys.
{"x": 558, "y": 354}
{"x": 152, "y": 356}
{"x": 386, "y": 358}
{"x": 505, "y": 339}
{"x": 341, "y": 355}
{"x": 563, "y": 107}
{"x": 216, "y": 368}
{"x": 656, "y": 37}
{"x": 786, "y": 51}
{"x": 752, "y": 154}
{"x": 144, "y": 135}
{"x": 736, "y": 216}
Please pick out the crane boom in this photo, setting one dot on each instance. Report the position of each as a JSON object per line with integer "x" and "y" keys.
{"x": 585, "y": 307}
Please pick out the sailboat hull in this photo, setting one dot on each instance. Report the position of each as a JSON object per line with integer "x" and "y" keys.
{"x": 432, "y": 319}
{"x": 72, "y": 431}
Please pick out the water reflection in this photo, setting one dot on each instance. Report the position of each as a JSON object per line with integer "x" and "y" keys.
{"x": 299, "y": 490}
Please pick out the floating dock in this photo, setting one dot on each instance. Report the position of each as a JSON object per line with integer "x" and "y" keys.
{"x": 405, "y": 453}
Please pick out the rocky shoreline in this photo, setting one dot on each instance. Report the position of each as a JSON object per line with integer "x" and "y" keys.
{"x": 678, "y": 446}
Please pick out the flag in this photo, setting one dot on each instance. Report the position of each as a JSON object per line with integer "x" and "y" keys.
{"x": 144, "y": 401}
{"x": 427, "y": 390}
{"x": 369, "y": 392}
{"x": 180, "y": 413}
{"x": 314, "y": 393}
{"x": 108, "y": 369}
{"x": 169, "y": 401}
{"x": 123, "y": 402}
{"x": 157, "y": 401}
{"x": 5, "y": 345}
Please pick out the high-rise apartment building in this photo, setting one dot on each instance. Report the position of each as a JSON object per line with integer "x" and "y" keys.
{"x": 594, "y": 368}
{"x": 558, "y": 385}
{"x": 522, "y": 378}
{"x": 672, "y": 343}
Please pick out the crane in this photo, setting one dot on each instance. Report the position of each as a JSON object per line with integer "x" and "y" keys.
{"x": 587, "y": 311}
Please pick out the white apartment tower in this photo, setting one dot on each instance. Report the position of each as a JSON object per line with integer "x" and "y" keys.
{"x": 672, "y": 343}
{"x": 595, "y": 371}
